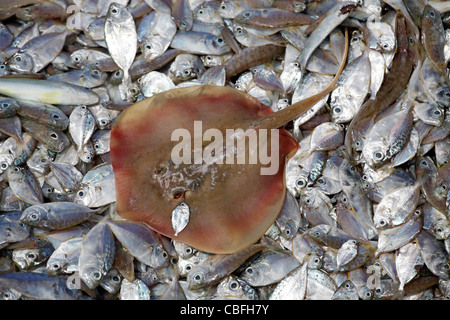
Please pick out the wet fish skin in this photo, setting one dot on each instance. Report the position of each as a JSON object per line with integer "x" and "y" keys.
{"x": 269, "y": 268}
{"x": 44, "y": 114}
{"x": 200, "y": 43}
{"x": 12, "y": 229}
{"x": 54, "y": 140}
{"x": 235, "y": 287}
{"x": 214, "y": 268}
{"x": 25, "y": 185}
{"x": 65, "y": 257}
{"x": 434, "y": 255}
{"x": 97, "y": 255}
{"x": 58, "y": 215}
{"x": 121, "y": 40}
{"x": 396, "y": 207}
{"x": 394, "y": 238}
{"x": 81, "y": 126}
{"x": 346, "y": 291}
{"x": 433, "y": 37}
{"x": 97, "y": 187}
{"x": 46, "y": 91}
{"x": 8, "y": 108}
{"x": 141, "y": 242}
{"x": 29, "y": 258}
{"x": 271, "y": 18}
{"x": 39, "y": 286}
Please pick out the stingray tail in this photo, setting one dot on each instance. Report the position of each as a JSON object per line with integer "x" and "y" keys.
{"x": 280, "y": 118}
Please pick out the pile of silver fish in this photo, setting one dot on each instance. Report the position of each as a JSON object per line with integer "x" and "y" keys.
{"x": 371, "y": 222}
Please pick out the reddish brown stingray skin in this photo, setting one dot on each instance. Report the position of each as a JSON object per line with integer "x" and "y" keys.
{"x": 231, "y": 206}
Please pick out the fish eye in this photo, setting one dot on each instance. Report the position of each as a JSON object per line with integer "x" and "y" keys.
{"x": 301, "y": 182}
{"x": 424, "y": 163}
{"x": 96, "y": 72}
{"x": 115, "y": 279}
{"x": 308, "y": 201}
{"x": 114, "y": 11}
{"x": 316, "y": 233}
{"x": 223, "y": 7}
{"x": 234, "y": 285}
{"x": 2, "y": 66}
{"x": 188, "y": 267}
{"x": 96, "y": 275}
{"x": 378, "y": 290}
{"x": 383, "y": 222}
{"x": 378, "y": 155}
{"x": 321, "y": 181}
{"x": 173, "y": 260}
{"x": 368, "y": 294}
{"x": 4, "y": 165}
{"x": 32, "y": 256}
{"x": 16, "y": 169}
{"x": 164, "y": 254}
{"x": 188, "y": 250}
{"x": 177, "y": 195}
{"x": 249, "y": 270}
{"x": 432, "y": 14}
{"x": 337, "y": 110}
{"x": 55, "y": 116}
{"x": 5, "y": 105}
{"x": 80, "y": 193}
{"x": 56, "y": 266}
{"x": 219, "y": 40}
{"x": 344, "y": 199}
{"x": 198, "y": 277}
{"x": 34, "y": 216}
{"x": 148, "y": 47}
{"x": 187, "y": 72}
{"x": 200, "y": 11}
{"x": 247, "y": 14}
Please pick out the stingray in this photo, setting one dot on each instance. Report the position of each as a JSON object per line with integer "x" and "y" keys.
{"x": 231, "y": 206}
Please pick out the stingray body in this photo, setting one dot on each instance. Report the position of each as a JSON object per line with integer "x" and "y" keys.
{"x": 231, "y": 205}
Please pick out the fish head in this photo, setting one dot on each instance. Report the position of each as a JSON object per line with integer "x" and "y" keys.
{"x": 341, "y": 113}
{"x": 21, "y": 62}
{"x": 152, "y": 48}
{"x": 91, "y": 274}
{"x": 85, "y": 195}
{"x": 196, "y": 278}
{"x": 34, "y": 215}
{"x": 8, "y": 107}
{"x": 117, "y": 12}
{"x": 375, "y": 153}
{"x": 159, "y": 257}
